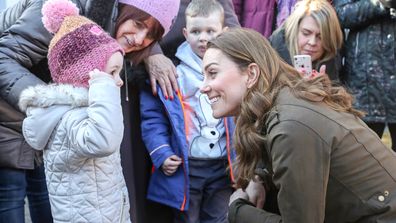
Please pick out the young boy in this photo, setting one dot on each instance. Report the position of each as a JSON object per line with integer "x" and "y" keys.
{"x": 190, "y": 149}
{"x": 77, "y": 122}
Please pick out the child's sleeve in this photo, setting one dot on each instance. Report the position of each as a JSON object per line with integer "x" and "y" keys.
{"x": 155, "y": 125}
{"x": 100, "y": 134}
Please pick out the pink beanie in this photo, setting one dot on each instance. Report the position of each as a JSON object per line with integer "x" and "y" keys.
{"x": 165, "y": 11}
{"x": 78, "y": 46}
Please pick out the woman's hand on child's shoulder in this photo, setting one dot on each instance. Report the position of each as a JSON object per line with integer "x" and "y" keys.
{"x": 163, "y": 72}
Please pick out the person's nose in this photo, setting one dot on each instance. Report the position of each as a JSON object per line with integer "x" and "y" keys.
{"x": 140, "y": 36}
{"x": 204, "y": 88}
{"x": 312, "y": 40}
{"x": 119, "y": 82}
{"x": 203, "y": 37}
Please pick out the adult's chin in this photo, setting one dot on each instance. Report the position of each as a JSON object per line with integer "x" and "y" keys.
{"x": 217, "y": 113}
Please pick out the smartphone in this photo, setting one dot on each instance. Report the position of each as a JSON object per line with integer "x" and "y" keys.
{"x": 303, "y": 63}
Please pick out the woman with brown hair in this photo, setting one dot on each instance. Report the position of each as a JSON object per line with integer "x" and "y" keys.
{"x": 327, "y": 165}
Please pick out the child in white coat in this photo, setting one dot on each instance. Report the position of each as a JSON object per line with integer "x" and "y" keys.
{"x": 77, "y": 121}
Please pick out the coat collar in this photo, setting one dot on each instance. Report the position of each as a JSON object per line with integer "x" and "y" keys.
{"x": 43, "y": 96}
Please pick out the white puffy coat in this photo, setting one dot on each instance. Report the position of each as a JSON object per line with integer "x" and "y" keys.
{"x": 80, "y": 132}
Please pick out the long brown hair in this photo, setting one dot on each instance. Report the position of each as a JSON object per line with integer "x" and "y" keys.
{"x": 127, "y": 12}
{"x": 245, "y": 46}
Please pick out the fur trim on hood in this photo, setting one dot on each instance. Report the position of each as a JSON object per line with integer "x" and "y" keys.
{"x": 43, "y": 96}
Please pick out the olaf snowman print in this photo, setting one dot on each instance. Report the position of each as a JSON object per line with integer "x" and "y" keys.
{"x": 207, "y": 144}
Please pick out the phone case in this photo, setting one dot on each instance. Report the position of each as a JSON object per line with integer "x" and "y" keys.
{"x": 303, "y": 64}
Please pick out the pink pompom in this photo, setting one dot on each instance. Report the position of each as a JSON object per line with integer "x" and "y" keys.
{"x": 55, "y": 11}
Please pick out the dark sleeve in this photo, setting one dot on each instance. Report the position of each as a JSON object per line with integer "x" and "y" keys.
{"x": 278, "y": 42}
{"x": 354, "y": 14}
{"x": 155, "y": 127}
{"x": 242, "y": 211}
{"x": 22, "y": 45}
{"x": 301, "y": 165}
{"x": 276, "y": 38}
{"x": 231, "y": 19}
{"x": 9, "y": 15}
{"x": 238, "y": 8}
{"x": 156, "y": 49}
{"x": 333, "y": 67}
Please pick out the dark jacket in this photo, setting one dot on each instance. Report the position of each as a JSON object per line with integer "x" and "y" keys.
{"x": 278, "y": 42}
{"x": 328, "y": 167}
{"x": 370, "y": 57}
{"x": 14, "y": 151}
{"x": 15, "y": 76}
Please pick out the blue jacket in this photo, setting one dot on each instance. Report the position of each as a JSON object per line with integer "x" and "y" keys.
{"x": 164, "y": 133}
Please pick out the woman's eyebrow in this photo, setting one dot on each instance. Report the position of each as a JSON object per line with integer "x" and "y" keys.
{"x": 206, "y": 67}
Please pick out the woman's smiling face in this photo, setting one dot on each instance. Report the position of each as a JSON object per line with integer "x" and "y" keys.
{"x": 132, "y": 35}
{"x": 225, "y": 83}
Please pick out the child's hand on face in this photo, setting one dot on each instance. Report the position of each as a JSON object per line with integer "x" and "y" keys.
{"x": 97, "y": 74}
{"x": 171, "y": 164}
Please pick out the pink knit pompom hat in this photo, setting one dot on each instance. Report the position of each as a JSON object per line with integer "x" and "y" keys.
{"x": 78, "y": 46}
{"x": 165, "y": 11}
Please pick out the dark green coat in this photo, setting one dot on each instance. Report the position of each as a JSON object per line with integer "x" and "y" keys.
{"x": 370, "y": 57}
{"x": 328, "y": 167}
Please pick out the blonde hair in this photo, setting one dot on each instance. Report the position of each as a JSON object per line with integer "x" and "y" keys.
{"x": 245, "y": 46}
{"x": 204, "y": 8}
{"x": 325, "y": 16}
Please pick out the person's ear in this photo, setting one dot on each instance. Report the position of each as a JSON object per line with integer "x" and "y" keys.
{"x": 253, "y": 72}
{"x": 185, "y": 33}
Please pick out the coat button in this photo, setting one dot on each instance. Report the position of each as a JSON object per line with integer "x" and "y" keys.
{"x": 381, "y": 198}
{"x": 389, "y": 36}
{"x": 386, "y": 193}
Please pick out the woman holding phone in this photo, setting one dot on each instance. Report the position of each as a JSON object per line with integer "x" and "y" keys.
{"x": 311, "y": 29}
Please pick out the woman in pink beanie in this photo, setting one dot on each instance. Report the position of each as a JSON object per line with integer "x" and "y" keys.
{"x": 24, "y": 43}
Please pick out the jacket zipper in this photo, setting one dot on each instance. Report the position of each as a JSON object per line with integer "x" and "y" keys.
{"x": 228, "y": 139}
